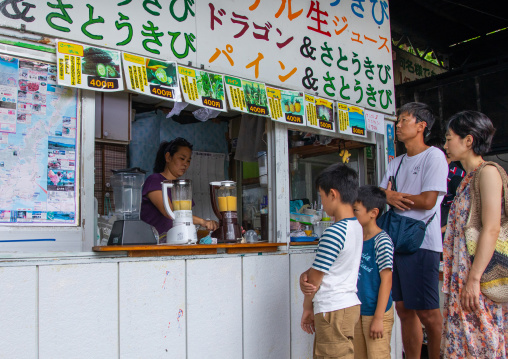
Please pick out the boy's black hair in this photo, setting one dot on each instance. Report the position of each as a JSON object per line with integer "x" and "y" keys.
{"x": 170, "y": 147}
{"x": 422, "y": 113}
{"x": 476, "y": 124}
{"x": 372, "y": 197}
{"x": 341, "y": 178}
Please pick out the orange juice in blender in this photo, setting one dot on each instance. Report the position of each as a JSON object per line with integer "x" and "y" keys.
{"x": 183, "y": 205}
{"x": 223, "y": 204}
{"x": 231, "y": 201}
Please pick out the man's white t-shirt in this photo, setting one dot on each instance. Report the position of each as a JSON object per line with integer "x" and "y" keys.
{"x": 338, "y": 256}
{"x": 426, "y": 171}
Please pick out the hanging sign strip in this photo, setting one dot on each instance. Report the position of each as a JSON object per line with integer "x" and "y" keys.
{"x": 247, "y": 96}
{"x": 202, "y": 88}
{"x": 88, "y": 67}
{"x": 286, "y": 106}
{"x": 351, "y": 120}
{"x": 151, "y": 77}
{"x": 319, "y": 113}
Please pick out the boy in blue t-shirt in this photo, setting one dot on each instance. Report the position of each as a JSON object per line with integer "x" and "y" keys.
{"x": 374, "y": 329}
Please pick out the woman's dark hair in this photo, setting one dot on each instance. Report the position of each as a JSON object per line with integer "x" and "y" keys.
{"x": 170, "y": 147}
{"x": 476, "y": 124}
{"x": 341, "y": 178}
{"x": 421, "y": 112}
{"x": 372, "y": 197}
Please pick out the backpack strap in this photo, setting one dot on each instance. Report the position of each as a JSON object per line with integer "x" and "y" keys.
{"x": 394, "y": 185}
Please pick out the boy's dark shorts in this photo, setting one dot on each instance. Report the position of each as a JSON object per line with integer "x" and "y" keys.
{"x": 416, "y": 279}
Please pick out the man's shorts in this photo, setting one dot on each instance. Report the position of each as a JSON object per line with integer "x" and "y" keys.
{"x": 416, "y": 279}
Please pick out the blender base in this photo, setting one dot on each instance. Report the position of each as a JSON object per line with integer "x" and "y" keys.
{"x": 182, "y": 234}
{"x": 132, "y": 232}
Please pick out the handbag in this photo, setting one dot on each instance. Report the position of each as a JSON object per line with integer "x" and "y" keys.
{"x": 407, "y": 233}
{"x": 494, "y": 280}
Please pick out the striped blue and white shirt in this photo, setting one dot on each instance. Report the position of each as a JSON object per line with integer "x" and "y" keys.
{"x": 338, "y": 256}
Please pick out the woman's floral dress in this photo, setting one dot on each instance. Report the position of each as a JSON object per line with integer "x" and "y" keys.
{"x": 481, "y": 334}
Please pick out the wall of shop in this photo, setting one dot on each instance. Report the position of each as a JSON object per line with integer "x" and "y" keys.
{"x": 116, "y": 307}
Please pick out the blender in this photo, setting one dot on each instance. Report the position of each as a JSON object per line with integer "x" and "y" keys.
{"x": 129, "y": 228}
{"x": 229, "y": 230}
{"x": 183, "y": 230}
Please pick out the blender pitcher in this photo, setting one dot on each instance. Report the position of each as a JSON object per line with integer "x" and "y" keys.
{"x": 183, "y": 230}
{"x": 224, "y": 205}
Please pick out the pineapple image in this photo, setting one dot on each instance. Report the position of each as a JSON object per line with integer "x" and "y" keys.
{"x": 298, "y": 106}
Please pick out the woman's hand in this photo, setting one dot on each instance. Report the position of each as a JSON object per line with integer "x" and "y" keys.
{"x": 210, "y": 225}
{"x": 470, "y": 295}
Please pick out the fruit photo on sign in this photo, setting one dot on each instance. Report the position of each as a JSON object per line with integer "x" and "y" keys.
{"x": 100, "y": 62}
{"x": 255, "y": 93}
{"x": 324, "y": 113}
{"x": 210, "y": 85}
{"x": 161, "y": 73}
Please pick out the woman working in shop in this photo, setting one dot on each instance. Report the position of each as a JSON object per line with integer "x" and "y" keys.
{"x": 172, "y": 161}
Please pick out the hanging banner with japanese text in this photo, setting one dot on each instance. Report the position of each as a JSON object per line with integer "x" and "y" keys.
{"x": 87, "y": 67}
{"x": 286, "y": 106}
{"x": 319, "y": 113}
{"x": 375, "y": 122}
{"x": 164, "y": 29}
{"x": 247, "y": 96}
{"x": 202, "y": 88}
{"x": 151, "y": 77}
{"x": 336, "y": 49}
{"x": 351, "y": 120}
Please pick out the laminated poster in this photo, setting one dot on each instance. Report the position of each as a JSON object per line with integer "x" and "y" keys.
{"x": 202, "y": 88}
{"x": 151, "y": 77}
{"x": 286, "y": 106}
{"x": 39, "y": 137}
{"x": 247, "y": 96}
{"x": 319, "y": 113}
{"x": 87, "y": 67}
{"x": 375, "y": 122}
{"x": 351, "y": 120}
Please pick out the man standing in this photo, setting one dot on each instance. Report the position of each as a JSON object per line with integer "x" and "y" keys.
{"x": 421, "y": 185}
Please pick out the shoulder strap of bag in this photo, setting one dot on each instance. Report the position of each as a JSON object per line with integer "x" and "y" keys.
{"x": 394, "y": 185}
{"x": 475, "y": 191}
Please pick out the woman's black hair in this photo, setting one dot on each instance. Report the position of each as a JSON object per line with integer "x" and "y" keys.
{"x": 476, "y": 124}
{"x": 170, "y": 147}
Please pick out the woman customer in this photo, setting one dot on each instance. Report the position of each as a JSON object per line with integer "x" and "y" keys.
{"x": 474, "y": 326}
{"x": 171, "y": 162}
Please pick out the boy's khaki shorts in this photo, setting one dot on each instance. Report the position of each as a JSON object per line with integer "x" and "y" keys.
{"x": 334, "y": 333}
{"x": 365, "y": 346}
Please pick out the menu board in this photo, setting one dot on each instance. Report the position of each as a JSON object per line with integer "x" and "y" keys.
{"x": 39, "y": 138}
{"x": 151, "y": 77}
{"x": 286, "y": 106}
{"x": 88, "y": 67}
{"x": 202, "y": 88}
{"x": 247, "y": 96}
{"x": 351, "y": 120}
{"x": 319, "y": 113}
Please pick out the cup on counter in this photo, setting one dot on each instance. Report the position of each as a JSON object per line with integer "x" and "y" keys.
{"x": 308, "y": 230}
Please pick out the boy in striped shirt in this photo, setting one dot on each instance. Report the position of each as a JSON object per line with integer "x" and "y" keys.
{"x": 374, "y": 329}
{"x": 331, "y": 307}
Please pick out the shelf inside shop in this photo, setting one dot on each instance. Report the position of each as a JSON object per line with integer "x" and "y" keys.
{"x": 334, "y": 146}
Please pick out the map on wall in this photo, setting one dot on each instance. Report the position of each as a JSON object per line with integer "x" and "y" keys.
{"x": 39, "y": 133}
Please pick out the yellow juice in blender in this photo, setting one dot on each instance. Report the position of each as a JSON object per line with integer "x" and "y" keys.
{"x": 231, "y": 201}
{"x": 223, "y": 204}
{"x": 185, "y": 205}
